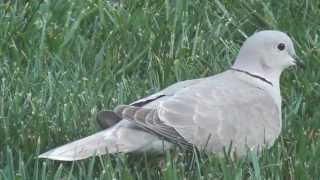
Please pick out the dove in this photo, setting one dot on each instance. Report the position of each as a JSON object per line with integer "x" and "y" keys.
{"x": 240, "y": 106}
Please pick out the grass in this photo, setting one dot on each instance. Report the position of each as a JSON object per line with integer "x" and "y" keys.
{"x": 64, "y": 60}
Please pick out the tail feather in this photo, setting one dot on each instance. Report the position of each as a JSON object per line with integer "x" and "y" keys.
{"x": 113, "y": 140}
{"x": 96, "y": 144}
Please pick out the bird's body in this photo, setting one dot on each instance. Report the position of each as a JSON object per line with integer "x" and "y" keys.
{"x": 241, "y": 106}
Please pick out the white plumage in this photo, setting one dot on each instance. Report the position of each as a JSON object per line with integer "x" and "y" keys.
{"x": 241, "y": 106}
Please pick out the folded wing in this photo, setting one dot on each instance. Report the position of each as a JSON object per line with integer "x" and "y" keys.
{"x": 220, "y": 111}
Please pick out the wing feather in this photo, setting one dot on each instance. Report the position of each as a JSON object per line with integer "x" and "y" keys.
{"x": 148, "y": 120}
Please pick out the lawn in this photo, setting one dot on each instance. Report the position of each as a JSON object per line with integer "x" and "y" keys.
{"x": 62, "y": 61}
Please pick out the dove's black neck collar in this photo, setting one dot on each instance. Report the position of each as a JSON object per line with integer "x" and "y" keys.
{"x": 253, "y": 75}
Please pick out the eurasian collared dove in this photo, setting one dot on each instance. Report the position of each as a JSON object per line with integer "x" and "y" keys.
{"x": 241, "y": 106}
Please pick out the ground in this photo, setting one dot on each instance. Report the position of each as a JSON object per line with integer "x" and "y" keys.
{"x": 64, "y": 60}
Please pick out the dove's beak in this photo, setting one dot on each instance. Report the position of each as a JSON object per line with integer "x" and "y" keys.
{"x": 299, "y": 62}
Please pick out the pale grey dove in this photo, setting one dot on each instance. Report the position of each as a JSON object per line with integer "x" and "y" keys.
{"x": 241, "y": 106}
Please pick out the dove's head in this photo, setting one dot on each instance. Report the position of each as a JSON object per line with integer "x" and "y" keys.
{"x": 267, "y": 53}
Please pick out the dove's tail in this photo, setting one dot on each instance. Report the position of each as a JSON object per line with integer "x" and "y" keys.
{"x": 107, "y": 141}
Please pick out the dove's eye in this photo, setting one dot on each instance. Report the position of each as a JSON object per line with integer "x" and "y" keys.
{"x": 281, "y": 46}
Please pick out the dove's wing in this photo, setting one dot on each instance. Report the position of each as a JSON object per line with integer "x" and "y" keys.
{"x": 222, "y": 110}
{"x": 212, "y": 114}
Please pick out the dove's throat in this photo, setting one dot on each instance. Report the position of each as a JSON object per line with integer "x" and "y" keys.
{"x": 258, "y": 69}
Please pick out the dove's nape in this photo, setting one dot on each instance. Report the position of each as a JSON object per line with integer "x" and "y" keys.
{"x": 219, "y": 107}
